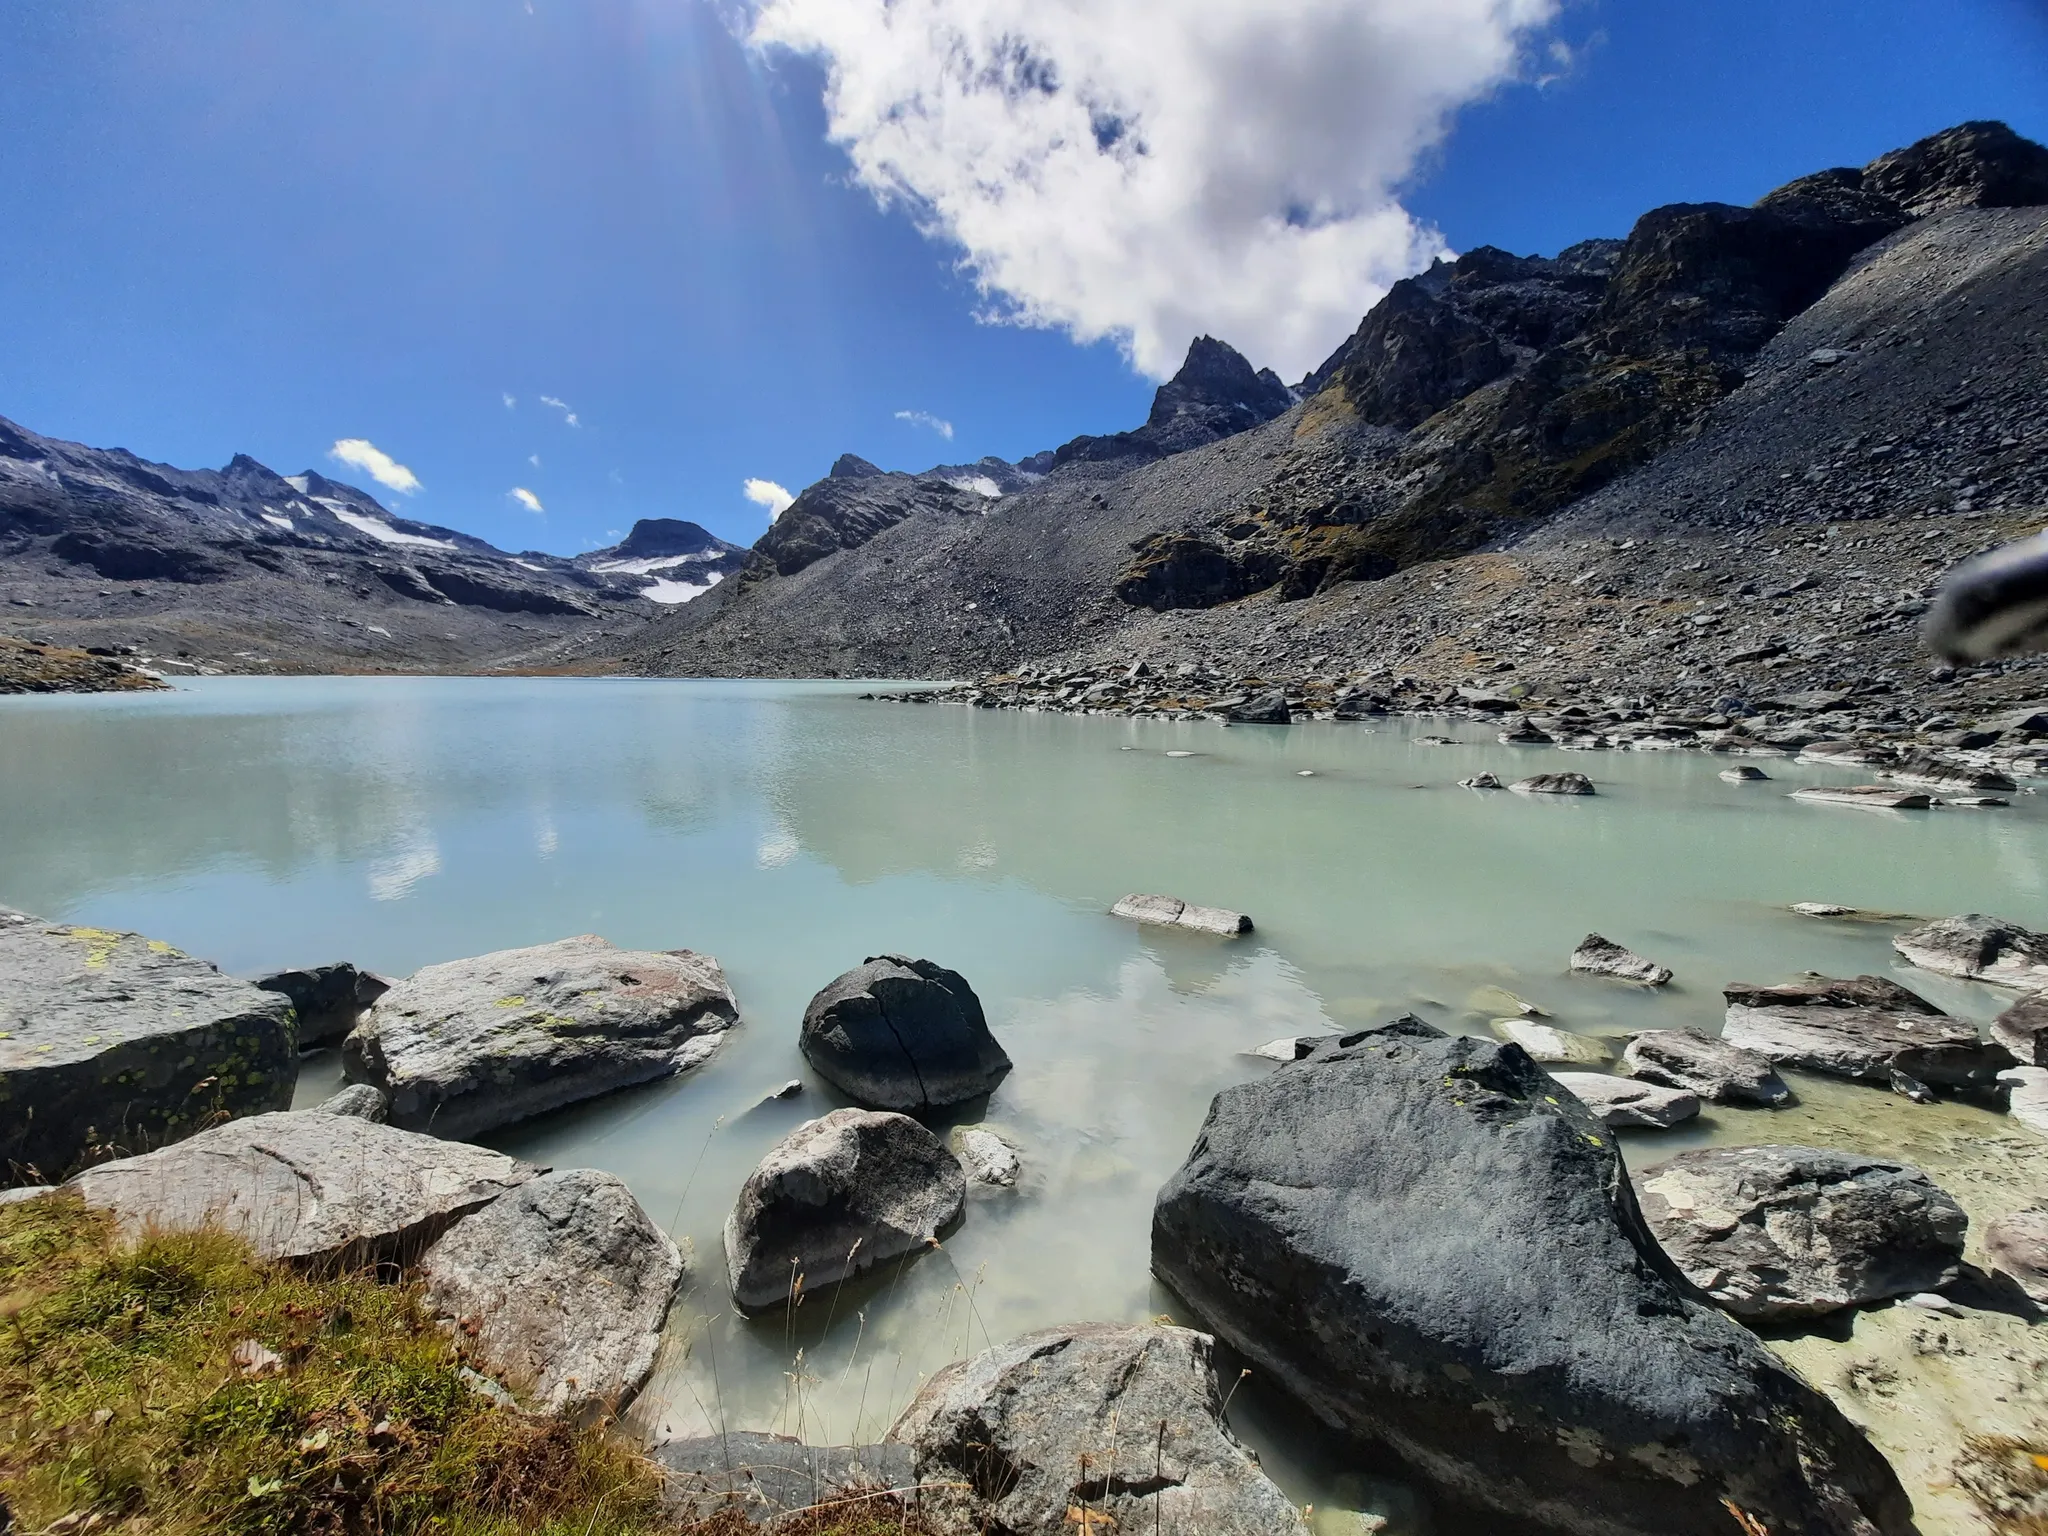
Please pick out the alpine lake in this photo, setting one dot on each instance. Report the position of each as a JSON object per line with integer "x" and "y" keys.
{"x": 792, "y": 829}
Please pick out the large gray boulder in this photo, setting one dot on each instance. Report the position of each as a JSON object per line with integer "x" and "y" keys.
{"x": 306, "y": 1186}
{"x": 1871, "y": 1045}
{"x": 1439, "y": 1254}
{"x": 2023, "y": 1030}
{"x": 897, "y": 1033}
{"x": 558, "y": 1289}
{"x": 1716, "y": 1070}
{"x": 1089, "y": 1427}
{"x": 1790, "y": 1232}
{"x": 112, "y": 1043}
{"x": 1814, "y": 990}
{"x": 837, "y": 1196}
{"x": 465, "y": 1047}
{"x": 1978, "y": 948}
{"x": 329, "y": 999}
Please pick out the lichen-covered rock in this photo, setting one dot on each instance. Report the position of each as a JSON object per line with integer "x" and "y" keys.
{"x": 328, "y": 999}
{"x": 903, "y": 1034}
{"x": 465, "y": 1047}
{"x": 306, "y": 1186}
{"x": 1978, "y": 948}
{"x": 1089, "y": 1427}
{"x": 112, "y": 1043}
{"x": 1596, "y": 956}
{"x": 558, "y": 1289}
{"x": 1790, "y": 1232}
{"x": 837, "y": 1196}
{"x": 1714, "y": 1069}
{"x": 1439, "y": 1254}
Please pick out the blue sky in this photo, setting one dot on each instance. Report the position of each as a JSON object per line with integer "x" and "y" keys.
{"x": 265, "y": 228}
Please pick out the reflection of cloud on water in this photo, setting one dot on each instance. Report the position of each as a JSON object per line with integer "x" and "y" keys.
{"x": 545, "y": 838}
{"x": 981, "y": 855}
{"x": 776, "y": 848}
{"x": 393, "y": 877}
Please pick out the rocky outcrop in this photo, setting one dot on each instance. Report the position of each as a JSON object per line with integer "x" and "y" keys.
{"x": 1216, "y": 394}
{"x": 306, "y": 1186}
{"x": 764, "y": 1477}
{"x": 1089, "y": 1426}
{"x": 557, "y": 1289}
{"x": 1978, "y": 948}
{"x": 1973, "y": 165}
{"x": 30, "y": 666}
{"x": 2023, "y": 1030}
{"x": 1792, "y": 1232}
{"x": 113, "y": 1043}
{"x": 1267, "y": 708}
{"x": 1172, "y": 912}
{"x": 1716, "y": 1070}
{"x": 1553, "y": 784}
{"x": 834, "y": 1198}
{"x": 328, "y": 999}
{"x": 1870, "y": 1045}
{"x": 473, "y": 1044}
{"x": 1439, "y": 1254}
{"x": 1597, "y": 956}
{"x": 904, "y": 1034}
{"x": 1617, "y": 1102}
{"x": 844, "y": 511}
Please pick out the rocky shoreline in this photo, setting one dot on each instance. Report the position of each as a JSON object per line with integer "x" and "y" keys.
{"x": 39, "y": 666}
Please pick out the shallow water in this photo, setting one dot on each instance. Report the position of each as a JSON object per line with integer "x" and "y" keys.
{"x": 792, "y": 830}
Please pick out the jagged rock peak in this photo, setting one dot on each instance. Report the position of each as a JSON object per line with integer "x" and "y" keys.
{"x": 653, "y": 537}
{"x": 851, "y": 466}
{"x": 1972, "y": 165}
{"x": 1215, "y": 375}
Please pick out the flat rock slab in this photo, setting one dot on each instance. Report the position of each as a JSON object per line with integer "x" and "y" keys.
{"x": 834, "y": 1198}
{"x": 1773, "y": 1233}
{"x": 764, "y": 1477}
{"x": 1817, "y": 991}
{"x": 112, "y": 1042}
{"x": 1171, "y": 912}
{"x": 558, "y": 1289}
{"x": 1596, "y": 956}
{"x": 1550, "y": 1045}
{"x": 306, "y": 1186}
{"x": 468, "y": 1046}
{"x": 903, "y": 1034}
{"x": 1090, "y": 1427}
{"x": 1871, "y": 797}
{"x": 1978, "y": 948}
{"x": 1870, "y": 1044}
{"x": 1719, "y": 1072}
{"x": 1440, "y": 1255}
{"x": 1622, "y": 1101}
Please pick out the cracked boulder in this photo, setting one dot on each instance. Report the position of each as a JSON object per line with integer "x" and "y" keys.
{"x": 1439, "y": 1255}
{"x": 558, "y": 1289}
{"x": 112, "y": 1043}
{"x": 306, "y": 1186}
{"x": 835, "y": 1197}
{"x": 468, "y": 1046}
{"x": 902, "y": 1034}
{"x": 1088, "y": 1427}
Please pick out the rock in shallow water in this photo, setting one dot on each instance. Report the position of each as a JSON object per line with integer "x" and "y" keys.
{"x": 1424, "y": 1242}
{"x": 465, "y": 1047}
{"x": 903, "y": 1034}
{"x": 329, "y": 999}
{"x": 306, "y": 1186}
{"x": 1714, "y": 1069}
{"x": 1622, "y": 1101}
{"x": 834, "y": 1198}
{"x": 111, "y": 1042}
{"x": 1172, "y": 912}
{"x": 1091, "y": 1427}
{"x": 1870, "y": 1044}
{"x": 985, "y": 1157}
{"x": 1596, "y": 956}
{"x": 1790, "y": 1232}
{"x": 1978, "y": 948}
{"x": 1553, "y": 784}
{"x": 559, "y": 1289}
{"x": 1873, "y": 797}
{"x": 1550, "y": 1045}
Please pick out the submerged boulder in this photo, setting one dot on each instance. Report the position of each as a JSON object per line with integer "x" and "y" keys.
{"x": 1596, "y": 956}
{"x": 329, "y": 999}
{"x": 1172, "y": 912}
{"x": 837, "y": 1196}
{"x": 1714, "y": 1069}
{"x": 1789, "y": 1232}
{"x": 903, "y": 1034}
{"x": 1549, "y": 1044}
{"x": 113, "y": 1043}
{"x": 559, "y": 1289}
{"x": 1978, "y": 948}
{"x": 465, "y": 1047}
{"x": 1439, "y": 1254}
{"x": 1092, "y": 1426}
{"x": 985, "y": 1157}
{"x": 306, "y": 1186}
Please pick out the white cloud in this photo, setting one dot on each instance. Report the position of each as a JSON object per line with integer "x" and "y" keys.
{"x": 1152, "y": 169}
{"x": 526, "y": 499}
{"x": 927, "y": 419}
{"x": 533, "y": 459}
{"x": 766, "y": 493}
{"x": 568, "y": 415}
{"x": 511, "y": 401}
{"x": 360, "y": 453}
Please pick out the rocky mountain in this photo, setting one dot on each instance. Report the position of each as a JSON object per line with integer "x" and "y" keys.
{"x": 244, "y": 569}
{"x": 1718, "y": 381}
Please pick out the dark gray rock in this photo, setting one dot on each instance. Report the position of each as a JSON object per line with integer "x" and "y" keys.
{"x": 559, "y": 1289}
{"x": 1717, "y": 1071}
{"x": 1269, "y": 708}
{"x": 1597, "y": 956}
{"x": 1553, "y": 784}
{"x": 306, "y": 1186}
{"x": 112, "y": 1043}
{"x": 1438, "y": 1253}
{"x": 2023, "y": 1030}
{"x": 1090, "y": 1425}
{"x": 1870, "y": 1044}
{"x": 1790, "y": 1232}
{"x": 764, "y": 1477}
{"x": 1622, "y": 1101}
{"x": 1978, "y": 948}
{"x": 328, "y": 999}
{"x": 465, "y": 1047}
{"x": 1817, "y": 991}
{"x": 359, "y": 1100}
{"x": 2017, "y": 1246}
{"x": 834, "y": 1198}
{"x": 898, "y": 1033}
{"x": 1291, "y": 1047}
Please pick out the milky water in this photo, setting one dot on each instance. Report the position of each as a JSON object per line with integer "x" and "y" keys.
{"x": 792, "y": 830}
